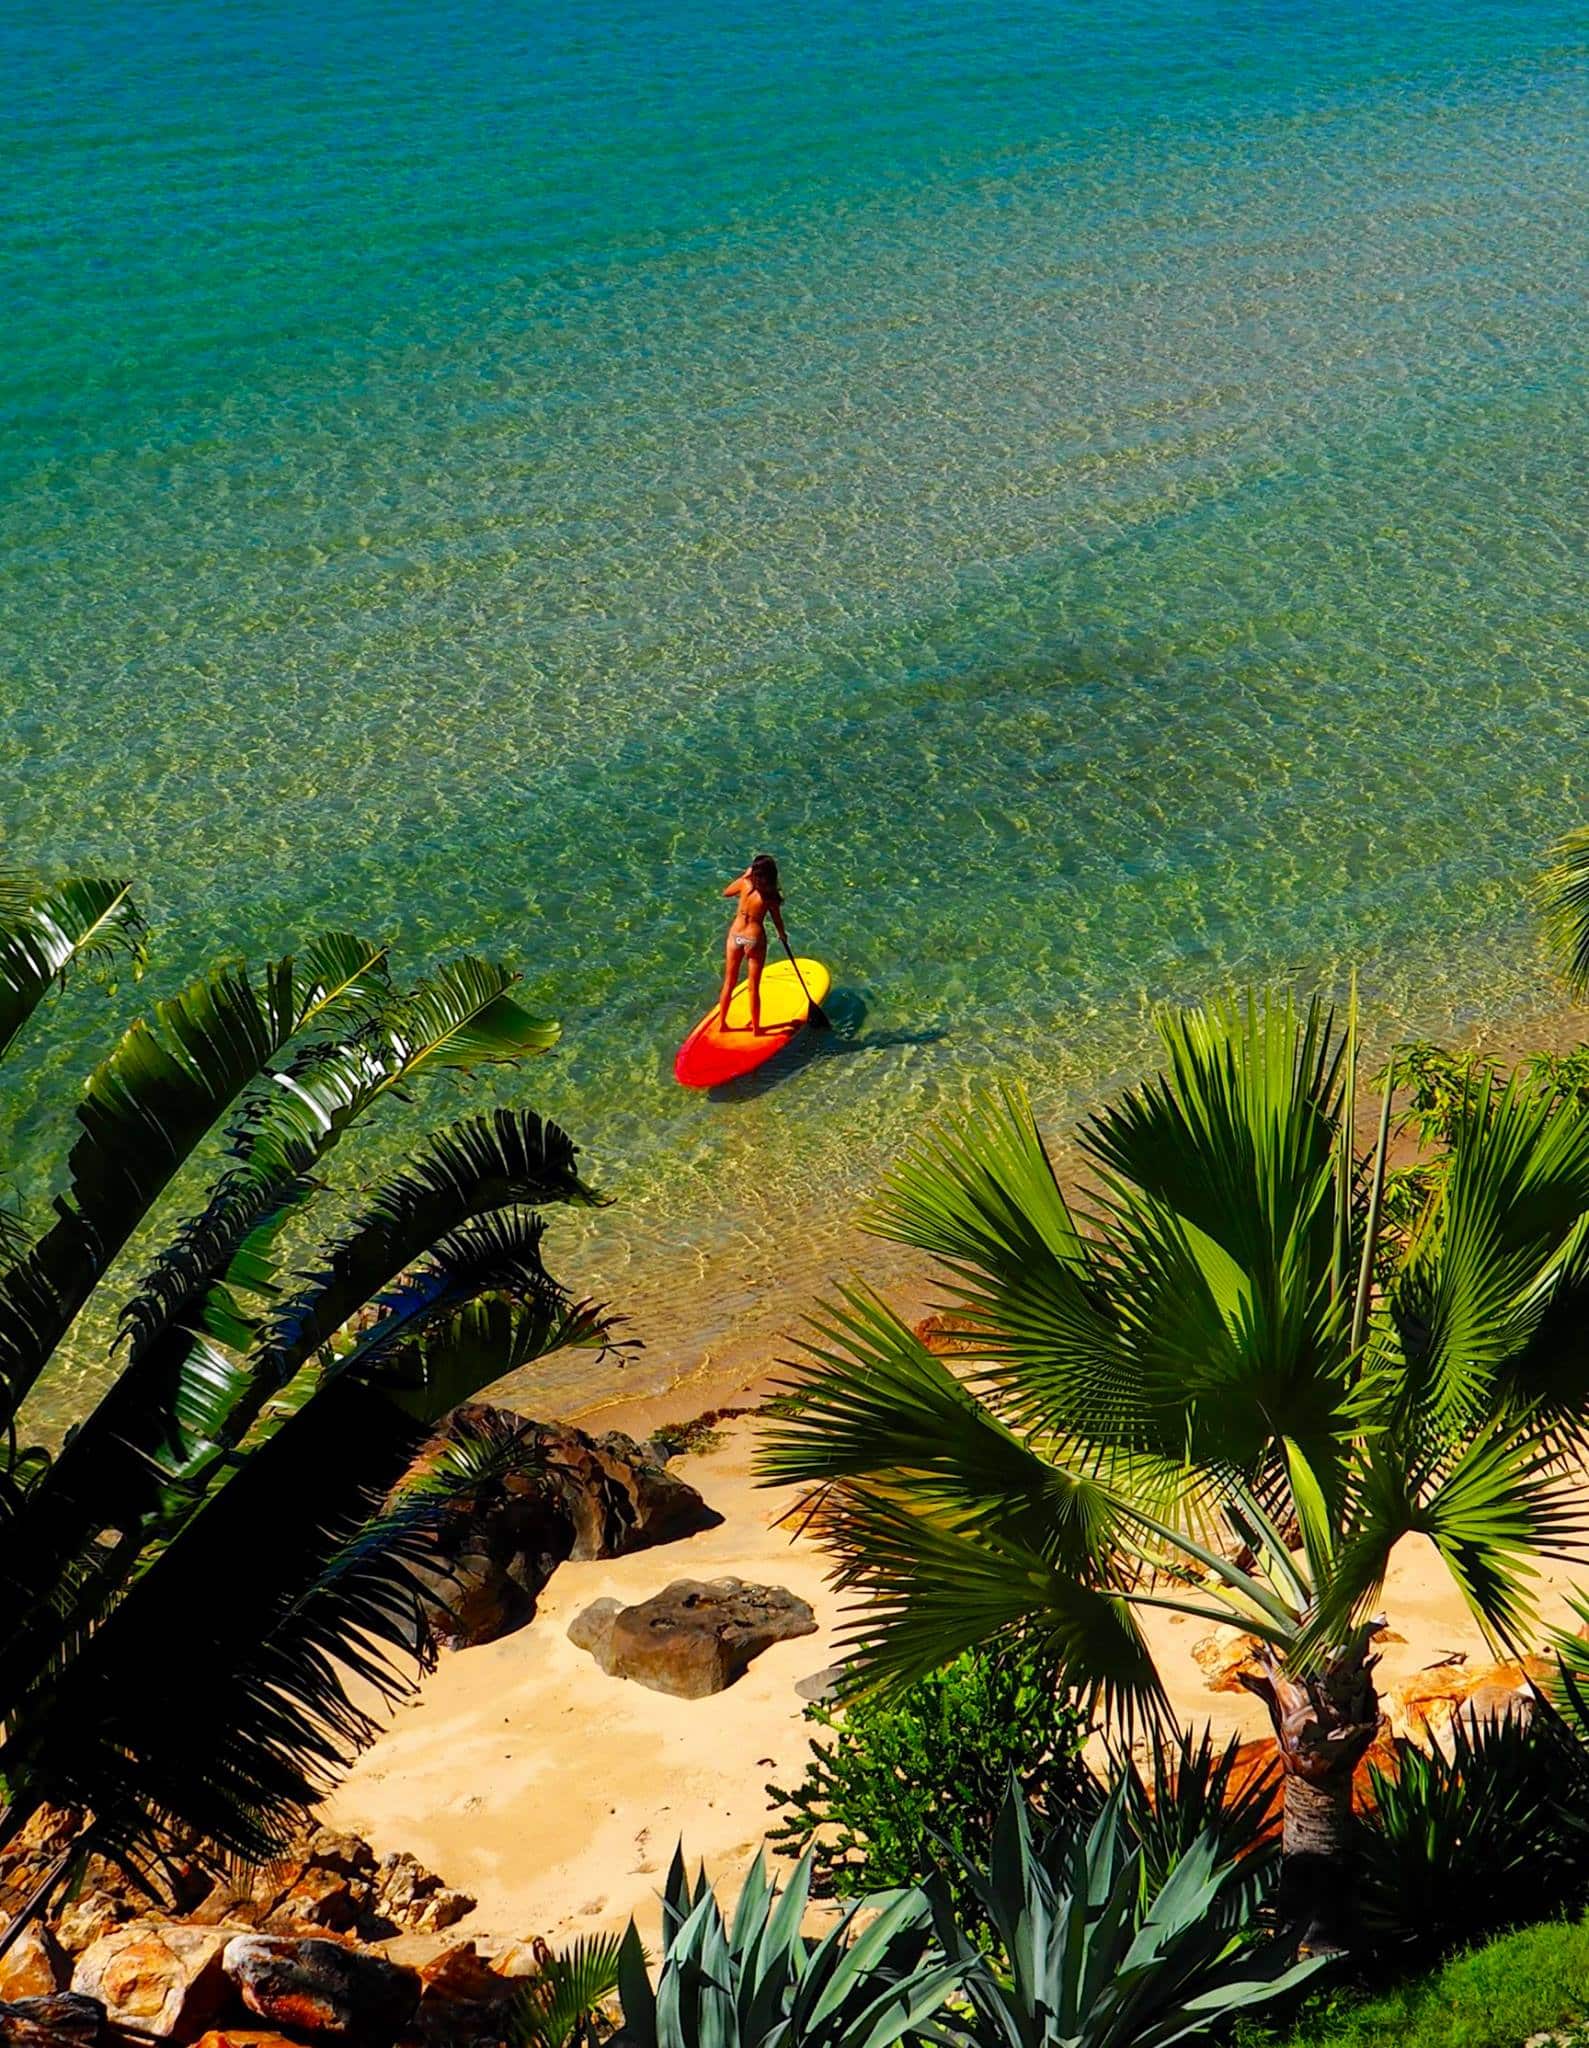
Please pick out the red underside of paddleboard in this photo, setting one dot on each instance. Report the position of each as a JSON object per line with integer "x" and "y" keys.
{"x": 709, "y": 1055}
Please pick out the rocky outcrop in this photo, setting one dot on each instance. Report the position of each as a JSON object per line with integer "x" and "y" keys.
{"x": 1422, "y": 1708}
{"x": 1224, "y": 1656}
{"x": 34, "y": 1966}
{"x": 692, "y": 1638}
{"x": 245, "y": 2037}
{"x": 463, "y": 2001}
{"x": 158, "y": 1977}
{"x": 565, "y": 1495}
{"x": 323, "y": 1988}
{"x": 335, "y": 1885}
{"x": 61, "y": 2020}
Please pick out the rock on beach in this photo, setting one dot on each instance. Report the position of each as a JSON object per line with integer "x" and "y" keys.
{"x": 693, "y": 1638}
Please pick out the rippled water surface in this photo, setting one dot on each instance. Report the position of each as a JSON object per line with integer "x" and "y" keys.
{"x": 1099, "y": 490}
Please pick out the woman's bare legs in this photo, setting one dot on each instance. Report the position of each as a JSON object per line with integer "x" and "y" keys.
{"x": 730, "y": 976}
{"x": 758, "y": 960}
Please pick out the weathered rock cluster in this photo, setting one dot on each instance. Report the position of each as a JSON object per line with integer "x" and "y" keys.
{"x": 569, "y": 1495}
{"x": 284, "y": 1945}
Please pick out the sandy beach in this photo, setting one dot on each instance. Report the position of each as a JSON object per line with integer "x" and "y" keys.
{"x": 555, "y": 1794}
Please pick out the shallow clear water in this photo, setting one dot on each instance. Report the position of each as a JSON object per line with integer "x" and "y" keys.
{"x": 1099, "y": 491}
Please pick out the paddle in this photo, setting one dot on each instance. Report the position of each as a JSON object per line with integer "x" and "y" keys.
{"x": 816, "y": 1016}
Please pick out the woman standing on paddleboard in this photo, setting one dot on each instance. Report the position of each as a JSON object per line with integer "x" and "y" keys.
{"x": 759, "y": 898}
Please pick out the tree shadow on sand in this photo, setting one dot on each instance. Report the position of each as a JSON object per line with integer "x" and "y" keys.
{"x": 846, "y": 1012}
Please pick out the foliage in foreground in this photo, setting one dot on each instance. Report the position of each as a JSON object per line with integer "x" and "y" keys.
{"x": 901, "y": 1779}
{"x": 1202, "y": 1403}
{"x": 189, "y": 1581}
{"x": 753, "y": 1980}
{"x": 561, "y": 2005}
{"x": 1489, "y": 1830}
{"x": 1097, "y": 1950}
{"x": 1075, "y": 1939}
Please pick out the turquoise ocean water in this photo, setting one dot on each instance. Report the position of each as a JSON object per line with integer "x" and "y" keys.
{"x": 1100, "y": 491}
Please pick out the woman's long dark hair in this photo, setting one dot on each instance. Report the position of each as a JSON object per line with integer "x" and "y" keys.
{"x": 764, "y": 878}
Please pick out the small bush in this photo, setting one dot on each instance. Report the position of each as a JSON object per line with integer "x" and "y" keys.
{"x": 934, "y": 1761}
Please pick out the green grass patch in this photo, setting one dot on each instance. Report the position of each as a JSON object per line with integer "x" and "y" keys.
{"x": 1533, "y": 1981}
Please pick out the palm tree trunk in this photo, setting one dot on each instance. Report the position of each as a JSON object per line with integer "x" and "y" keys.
{"x": 1324, "y": 1723}
{"x": 1315, "y": 1876}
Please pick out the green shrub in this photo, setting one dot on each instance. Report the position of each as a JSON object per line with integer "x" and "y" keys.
{"x": 930, "y": 1765}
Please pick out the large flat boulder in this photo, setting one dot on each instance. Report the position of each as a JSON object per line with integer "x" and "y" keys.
{"x": 565, "y": 1494}
{"x": 693, "y": 1638}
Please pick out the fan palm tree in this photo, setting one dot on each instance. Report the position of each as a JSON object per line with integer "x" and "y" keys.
{"x": 1201, "y": 1402}
{"x": 186, "y": 1583}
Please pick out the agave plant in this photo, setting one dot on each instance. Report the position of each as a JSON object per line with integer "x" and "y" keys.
{"x": 756, "y": 1981}
{"x": 187, "y": 1581}
{"x": 1193, "y": 1791}
{"x": 1097, "y": 1951}
{"x": 1201, "y": 1402}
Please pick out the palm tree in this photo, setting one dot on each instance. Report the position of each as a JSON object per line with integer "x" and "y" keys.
{"x": 1200, "y": 1401}
{"x": 1563, "y": 897}
{"x": 186, "y": 1584}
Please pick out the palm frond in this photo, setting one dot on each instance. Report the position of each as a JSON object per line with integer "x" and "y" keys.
{"x": 1239, "y": 1137}
{"x": 1492, "y": 1505}
{"x": 874, "y": 1404}
{"x": 556, "y": 2007}
{"x": 46, "y": 929}
{"x": 457, "y": 1018}
{"x": 932, "y": 1592}
{"x": 1029, "y": 1299}
{"x": 1516, "y": 1193}
{"x": 220, "y": 1395}
{"x": 240, "y": 1760}
{"x": 1563, "y": 898}
{"x": 506, "y": 1159}
{"x": 339, "y": 981}
{"x": 141, "y": 1113}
